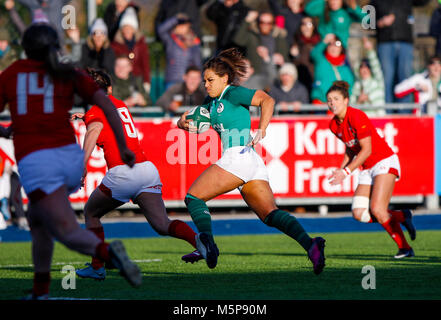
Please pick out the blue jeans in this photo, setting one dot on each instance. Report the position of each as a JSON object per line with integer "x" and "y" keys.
{"x": 396, "y": 60}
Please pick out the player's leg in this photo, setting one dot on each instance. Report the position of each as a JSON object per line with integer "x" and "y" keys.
{"x": 382, "y": 190}
{"x": 360, "y": 204}
{"x": 42, "y": 249}
{"x": 153, "y": 208}
{"x": 55, "y": 211}
{"x": 212, "y": 182}
{"x": 361, "y": 212}
{"x": 259, "y": 197}
{"x": 99, "y": 203}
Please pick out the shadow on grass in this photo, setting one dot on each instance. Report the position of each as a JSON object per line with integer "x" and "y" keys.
{"x": 416, "y": 282}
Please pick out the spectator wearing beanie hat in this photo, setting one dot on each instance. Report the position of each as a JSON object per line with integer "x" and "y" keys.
{"x": 130, "y": 42}
{"x": 7, "y": 54}
{"x": 114, "y": 12}
{"x": 288, "y": 92}
{"x": 97, "y": 52}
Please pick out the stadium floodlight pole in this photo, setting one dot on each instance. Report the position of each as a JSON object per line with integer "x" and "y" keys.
{"x": 91, "y": 11}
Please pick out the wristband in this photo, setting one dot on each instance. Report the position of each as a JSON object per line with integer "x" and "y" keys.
{"x": 347, "y": 171}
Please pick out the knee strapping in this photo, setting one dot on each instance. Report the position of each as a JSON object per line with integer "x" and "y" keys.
{"x": 362, "y": 203}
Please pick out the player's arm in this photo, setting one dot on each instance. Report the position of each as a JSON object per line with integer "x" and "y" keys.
{"x": 90, "y": 139}
{"x": 349, "y": 155}
{"x": 266, "y": 103}
{"x": 101, "y": 100}
{"x": 339, "y": 175}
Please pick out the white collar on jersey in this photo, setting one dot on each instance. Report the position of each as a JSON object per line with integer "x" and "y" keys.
{"x": 222, "y": 94}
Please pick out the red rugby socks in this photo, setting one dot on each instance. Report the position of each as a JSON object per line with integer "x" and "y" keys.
{"x": 96, "y": 262}
{"x": 394, "y": 229}
{"x": 42, "y": 281}
{"x": 181, "y": 230}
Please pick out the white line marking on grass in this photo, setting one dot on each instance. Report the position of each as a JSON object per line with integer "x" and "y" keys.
{"x": 75, "y": 262}
{"x": 68, "y": 298}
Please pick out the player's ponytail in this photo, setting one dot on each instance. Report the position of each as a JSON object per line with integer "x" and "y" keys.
{"x": 56, "y": 68}
{"x": 40, "y": 42}
{"x": 230, "y": 62}
{"x": 340, "y": 86}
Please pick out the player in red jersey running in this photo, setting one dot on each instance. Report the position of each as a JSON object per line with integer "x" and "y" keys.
{"x": 380, "y": 168}
{"x": 39, "y": 91}
{"x": 141, "y": 184}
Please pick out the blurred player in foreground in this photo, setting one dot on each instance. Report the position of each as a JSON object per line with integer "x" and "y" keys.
{"x": 39, "y": 91}
{"x": 141, "y": 184}
{"x": 380, "y": 168}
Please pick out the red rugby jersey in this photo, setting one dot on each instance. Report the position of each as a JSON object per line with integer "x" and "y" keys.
{"x": 356, "y": 126}
{"x": 106, "y": 139}
{"x": 40, "y": 105}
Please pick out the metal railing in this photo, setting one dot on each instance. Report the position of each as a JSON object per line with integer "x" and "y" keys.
{"x": 305, "y": 110}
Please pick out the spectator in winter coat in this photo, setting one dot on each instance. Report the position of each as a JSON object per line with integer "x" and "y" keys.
{"x": 182, "y": 48}
{"x": 113, "y": 14}
{"x": 305, "y": 40}
{"x": 394, "y": 21}
{"x": 189, "y": 92}
{"x": 330, "y": 65}
{"x": 369, "y": 87}
{"x": 435, "y": 28}
{"x": 128, "y": 87}
{"x": 130, "y": 42}
{"x": 52, "y": 9}
{"x": 7, "y": 54}
{"x": 423, "y": 86}
{"x": 96, "y": 52}
{"x": 170, "y": 8}
{"x": 335, "y": 16}
{"x": 227, "y": 15}
{"x": 261, "y": 38}
{"x": 291, "y": 12}
{"x": 259, "y": 81}
{"x": 288, "y": 92}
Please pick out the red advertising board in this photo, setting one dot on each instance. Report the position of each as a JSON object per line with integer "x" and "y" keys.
{"x": 299, "y": 152}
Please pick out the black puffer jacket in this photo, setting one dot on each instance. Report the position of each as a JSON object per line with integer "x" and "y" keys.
{"x": 401, "y": 29}
{"x": 228, "y": 20}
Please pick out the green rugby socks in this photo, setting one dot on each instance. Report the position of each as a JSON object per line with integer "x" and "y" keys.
{"x": 289, "y": 225}
{"x": 199, "y": 213}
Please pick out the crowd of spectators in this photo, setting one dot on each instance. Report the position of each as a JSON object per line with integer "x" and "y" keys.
{"x": 295, "y": 49}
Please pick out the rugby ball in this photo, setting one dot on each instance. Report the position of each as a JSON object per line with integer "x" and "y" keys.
{"x": 200, "y": 118}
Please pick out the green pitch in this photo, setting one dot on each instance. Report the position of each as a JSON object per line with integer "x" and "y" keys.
{"x": 250, "y": 267}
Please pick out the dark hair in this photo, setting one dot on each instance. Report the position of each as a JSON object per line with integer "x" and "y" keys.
{"x": 315, "y": 33}
{"x": 40, "y": 42}
{"x": 327, "y": 12}
{"x": 101, "y": 78}
{"x": 340, "y": 86}
{"x": 365, "y": 62}
{"x": 434, "y": 58}
{"x": 230, "y": 62}
{"x": 192, "y": 68}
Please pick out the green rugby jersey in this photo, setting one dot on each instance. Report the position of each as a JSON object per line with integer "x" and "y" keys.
{"x": 230, "y": 116}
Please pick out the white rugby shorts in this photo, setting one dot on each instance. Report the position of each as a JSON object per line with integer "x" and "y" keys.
{"x": 244, "y": 163}
{"x": 49, "y": 169}
{"x": 125, "y": 183}
{"x": 387, "y": 165}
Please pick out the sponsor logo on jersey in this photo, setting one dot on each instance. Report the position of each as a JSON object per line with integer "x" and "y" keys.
{"x": 352, "y": 143}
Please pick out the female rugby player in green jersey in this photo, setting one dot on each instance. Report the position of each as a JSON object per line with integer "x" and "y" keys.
{"x": 240, "y": 166}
